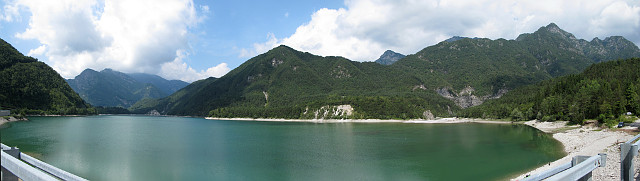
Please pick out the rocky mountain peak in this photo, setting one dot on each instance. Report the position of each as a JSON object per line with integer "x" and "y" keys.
{"x": 554, "y": 29}
{"x": 456, "y": 38}
{"x": 87, "y": 72}
{"x": 389, "y": 57}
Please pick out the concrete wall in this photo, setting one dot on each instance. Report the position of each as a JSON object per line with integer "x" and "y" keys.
{"x": 5, "y": 112}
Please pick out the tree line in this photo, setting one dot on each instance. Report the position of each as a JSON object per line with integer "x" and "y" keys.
{"x": 604, "y": 91}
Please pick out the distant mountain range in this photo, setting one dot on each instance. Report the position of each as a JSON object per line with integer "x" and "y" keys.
{"x": 389, "y": 57}
{"x": 440, "y": 80}
{"x": 116, "y": 89}
{"x": 28, "y": 86}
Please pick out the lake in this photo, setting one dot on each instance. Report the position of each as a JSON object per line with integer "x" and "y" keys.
{"x": 177, "y": 148}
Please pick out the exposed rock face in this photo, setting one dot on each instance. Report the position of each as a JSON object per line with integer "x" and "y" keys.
{"x": 421, "y": 86}
{"x": 340, "y": 72}
{"x": 465, "y": 98}
{"x": 275, "y": 62}
{"x": 153, "y": 113}
{"x": 428, "y": 115}
{"x": 266, "y": 98}
{"x": 332, "y": 112}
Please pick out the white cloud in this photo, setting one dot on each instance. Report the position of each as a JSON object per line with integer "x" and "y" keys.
{"x": 217, "y": 71}
{"x": 38, "y": 51}
{"x": 10, "y": 13}
{"x": 258, "y": 48}
{"x": 128, "y": 36}
{"x": 365, "y": 28}
{"x": 617, "y": 18}
{"x": 178, "y": 69}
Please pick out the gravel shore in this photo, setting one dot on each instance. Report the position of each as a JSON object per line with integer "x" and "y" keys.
{"x": 587, "y": 141}
{"x": 418, "y": 121}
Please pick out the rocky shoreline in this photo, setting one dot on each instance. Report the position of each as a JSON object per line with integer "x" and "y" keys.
{"x": 10, "y": 119}
{"x": 587, "y": 140}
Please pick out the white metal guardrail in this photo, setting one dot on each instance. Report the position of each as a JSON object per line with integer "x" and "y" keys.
{"x": 4, "y": 147}
{"x": 628, "y": 151}
{"x": 14, "y": 166}
{"x": 19, "y": 169}
{"x": 580, "y": 168}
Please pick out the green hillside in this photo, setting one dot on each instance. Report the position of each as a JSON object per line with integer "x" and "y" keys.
{"x": 603, "y": 91}
{"x": 481, "y": 65}
{"x": 287, "y": 83}
{"x": 28, "y": 86}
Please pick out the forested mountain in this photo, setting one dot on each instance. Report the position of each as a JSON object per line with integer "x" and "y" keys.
{"x": 28, "y": 86}
{"x": 439, "y": 80}
{"x": 286, "y": 83}
{"x": 117, "y": 89}
{"x": 548, "y": 43}
{"x": 166, "y": 86}
{"x": 470, "y": 71}
{"x": 603, "y": 91}
{"x": 389, "y": 57}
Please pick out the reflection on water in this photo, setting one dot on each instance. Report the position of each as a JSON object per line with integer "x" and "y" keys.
{"x": 171, "y": 148}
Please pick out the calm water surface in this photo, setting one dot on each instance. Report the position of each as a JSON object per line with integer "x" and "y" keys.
{"x": 174, "y": 148}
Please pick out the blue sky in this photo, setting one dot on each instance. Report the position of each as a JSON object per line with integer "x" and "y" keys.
{"x": 194, "y": 39}
{"x": 233, "y": 25}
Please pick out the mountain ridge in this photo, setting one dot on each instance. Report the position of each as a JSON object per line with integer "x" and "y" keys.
{"x": 470, "y": 71}
{"x": 284, "y": 82}
{"x": 111, "y": 88}
{"x": 439, "y": 80}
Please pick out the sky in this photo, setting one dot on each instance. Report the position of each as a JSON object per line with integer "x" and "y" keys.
{"x": 195, "y": 39}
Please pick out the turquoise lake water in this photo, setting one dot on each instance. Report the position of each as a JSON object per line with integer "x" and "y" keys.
{"x": 176, "y": 148}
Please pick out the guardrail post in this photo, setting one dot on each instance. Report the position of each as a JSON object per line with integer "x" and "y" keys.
{"x": 579, "y": 159}
{"x": 581, "y": 169}
{"x": 627, "y": 152}
{"x": 6, "y": 174}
